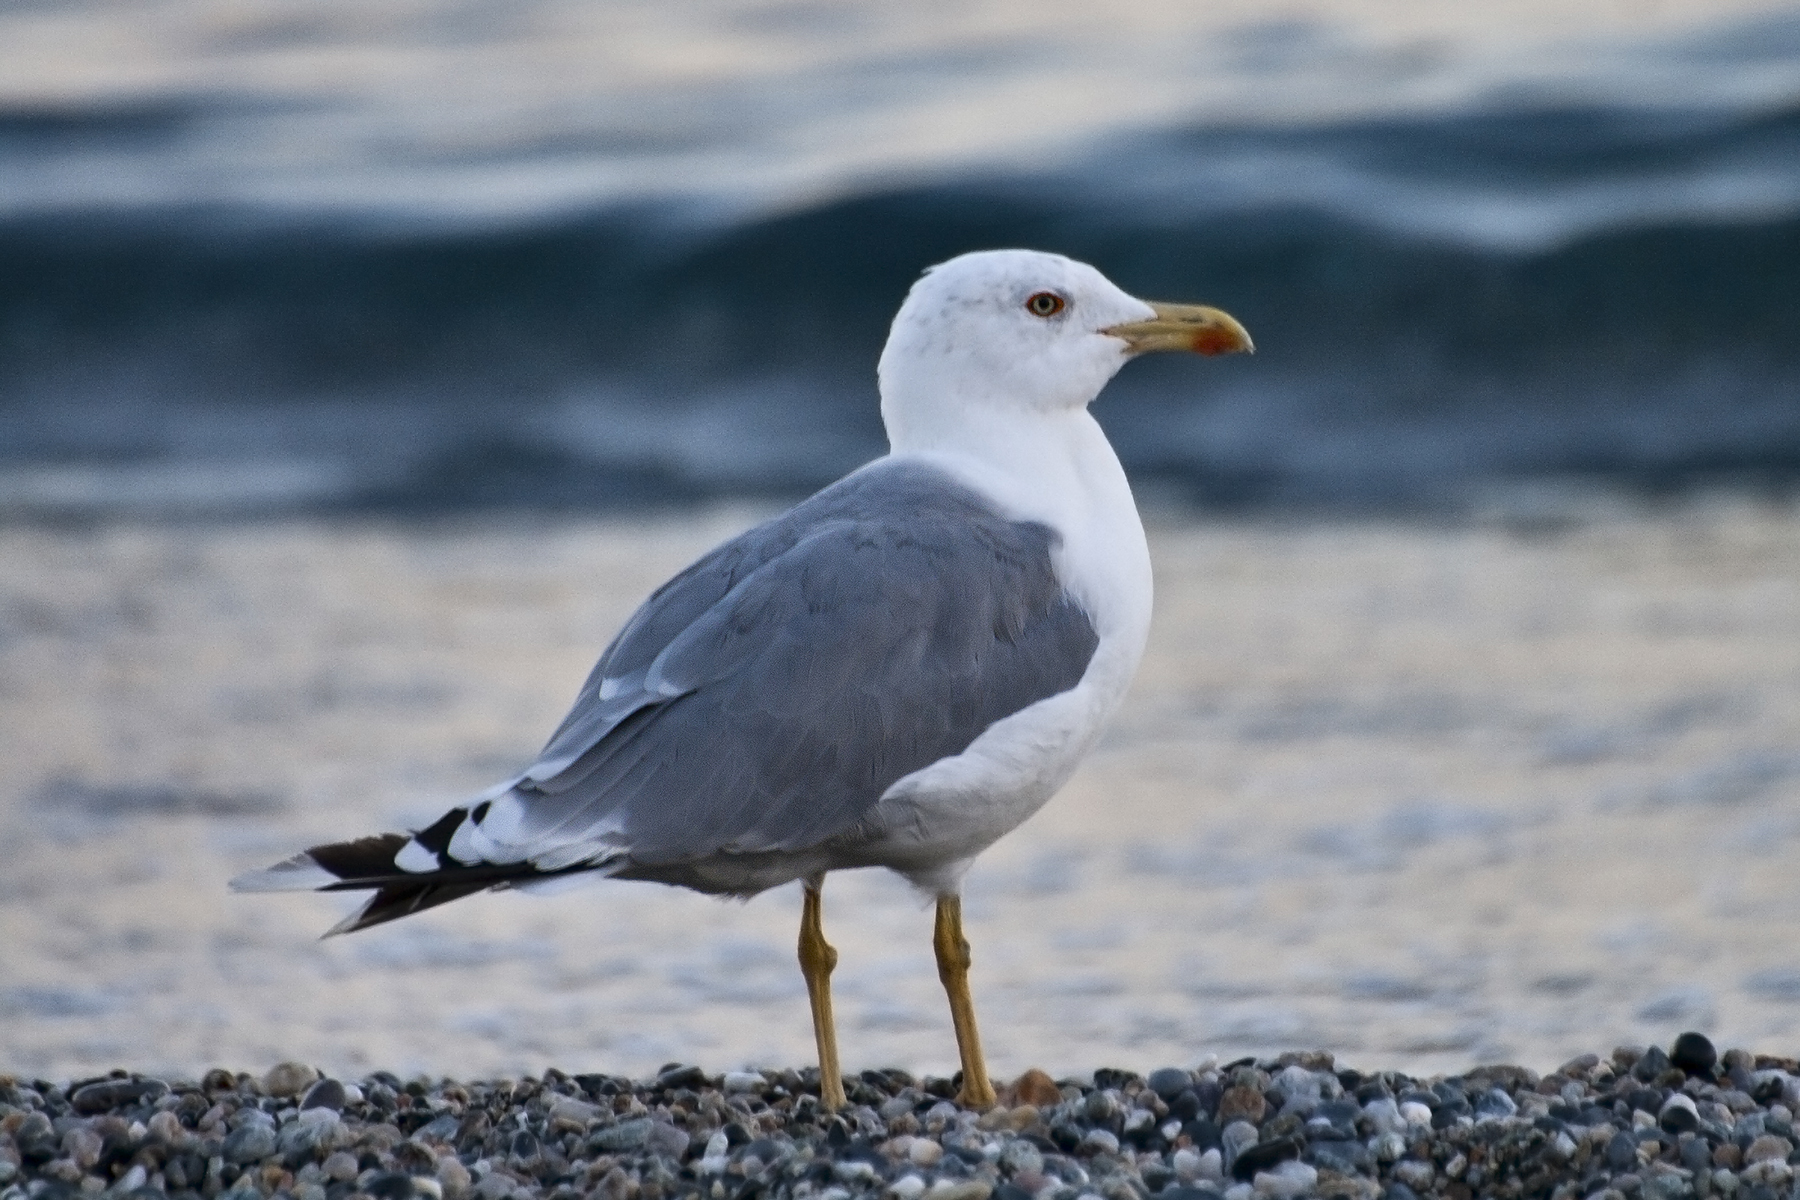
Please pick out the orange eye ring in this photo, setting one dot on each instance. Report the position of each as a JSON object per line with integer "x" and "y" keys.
{"x": 1045, "y": 304}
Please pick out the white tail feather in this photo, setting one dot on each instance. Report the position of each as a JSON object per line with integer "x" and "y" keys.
{"x": 297, "y": 874}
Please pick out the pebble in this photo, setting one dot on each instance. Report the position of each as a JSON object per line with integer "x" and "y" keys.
{"x": 326, "y": 1093}
{"x": 1288, "y": 1180}
{"x": 1242, "y": 1104}
{"x": 1694, "y": 1053}
{"x": 1768, "y": 1147}
{"x": 289, "y": 1079}
{"x": 340, "y": 1166}
{"x": 1678, "y": 1114}
{"x": 249, "y": 1143}
{"x": 1640, "y": 1124}
{"x": 1169, "y": 1082}
{"x": 1036, "y": 1088}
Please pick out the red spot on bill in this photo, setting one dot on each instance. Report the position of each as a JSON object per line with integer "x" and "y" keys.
{"x": 1211, "y": 339}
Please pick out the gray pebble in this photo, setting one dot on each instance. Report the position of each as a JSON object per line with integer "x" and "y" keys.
{"x": 326, "y": 1093}
{"x": 116, "y": 1093}
{"x": 1169, "y": 1082}
{"x": 1020, "y": 1155}
{"x": 626, "y": 1135}
{"x": 249, "y": 1143}
{"x": 1494, "y": 1105}
{"x": 1099, "y": 1141}
{"x": 1679, "y": 1114}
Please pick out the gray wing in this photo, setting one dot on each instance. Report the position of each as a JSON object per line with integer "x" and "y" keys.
{"x": 766, "y": 697}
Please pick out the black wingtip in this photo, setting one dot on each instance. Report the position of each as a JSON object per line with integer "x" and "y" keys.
{"x": 392, "y": 903}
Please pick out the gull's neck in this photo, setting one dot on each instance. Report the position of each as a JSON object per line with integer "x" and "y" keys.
{"x": 1056, "y": 468}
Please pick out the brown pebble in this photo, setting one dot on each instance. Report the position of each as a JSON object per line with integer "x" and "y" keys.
{"x": 1034, "y": 1087}
{"x": 1023, "y": 1117}
{"x": 972, "y": 1189}
{"x": 82, "y": 1145}
{"x": 62, "y": 1170}
{"x": 1767, "y": 1147}
{"x": 454, "y": 1176}
{"x": 615, "y": 1186}
{"x": 1727, "y": 1155}
{"x": 1242, "y": 1104}
{"x": 289, "y": 1079}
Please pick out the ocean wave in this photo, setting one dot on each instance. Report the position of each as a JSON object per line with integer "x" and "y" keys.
{"x": 1439, "y": 302}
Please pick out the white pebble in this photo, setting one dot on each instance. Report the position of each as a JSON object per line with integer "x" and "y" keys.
{"x": 907, "y": 1187}
{"x": 577, "y": 1114}
{"x": 1290, "y": 1179}
{"x": 1186, "y": 1164}
{"x": 1301, "y": 1089}
{"x": 925, "y": 1153}
{"x": 1237, "y": 1136}
{"x": 1212, "y": 1165}
{"x": 1770, "y": 1171}
{"x": 1101, "y": 1140}
{"x": 1384, "y": 1114}
{"x": 1416, "y": 1113}
{"x": 1415, "y": 1174}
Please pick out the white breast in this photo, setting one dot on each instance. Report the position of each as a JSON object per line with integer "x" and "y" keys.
{"x": 1062, "y": 473}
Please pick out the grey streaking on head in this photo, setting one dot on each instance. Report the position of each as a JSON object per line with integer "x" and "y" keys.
{"x": 894, "y": 673}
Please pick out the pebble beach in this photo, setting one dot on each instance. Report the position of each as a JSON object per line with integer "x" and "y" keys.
{"x": 1643, "y": 1123}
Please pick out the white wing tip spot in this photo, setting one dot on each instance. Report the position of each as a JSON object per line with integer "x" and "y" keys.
{"x": 416, "y": 858}
{"x": 297, "y": 874}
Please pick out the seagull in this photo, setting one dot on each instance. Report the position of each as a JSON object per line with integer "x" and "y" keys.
{"x": 894, "y": 673}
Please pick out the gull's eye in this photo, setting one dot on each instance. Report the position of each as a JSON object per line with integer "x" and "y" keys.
{"x": 1044, "y": 304}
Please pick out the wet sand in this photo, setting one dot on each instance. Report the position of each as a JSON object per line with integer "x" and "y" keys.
{"x": 1423, "y": 794}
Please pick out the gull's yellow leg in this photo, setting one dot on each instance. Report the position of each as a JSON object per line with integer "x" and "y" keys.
{"x": 953, "y": 968}
{"x": 817, "y": 958}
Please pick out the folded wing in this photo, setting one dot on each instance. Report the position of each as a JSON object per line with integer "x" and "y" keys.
{"x": 764, "y": 700}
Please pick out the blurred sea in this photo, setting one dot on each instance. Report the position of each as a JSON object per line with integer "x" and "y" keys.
{"x": 437, "y": 256}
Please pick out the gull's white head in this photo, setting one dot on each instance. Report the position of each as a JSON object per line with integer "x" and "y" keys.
{"x": 1020, "y": 331}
